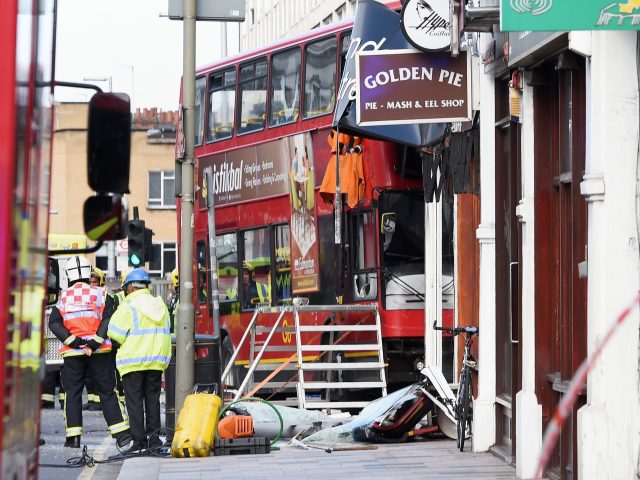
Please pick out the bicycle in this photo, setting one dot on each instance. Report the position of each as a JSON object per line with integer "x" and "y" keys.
{"x": 463, "y": 407}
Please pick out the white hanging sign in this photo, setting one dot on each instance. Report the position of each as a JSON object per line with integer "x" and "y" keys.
{"x": 425, "y": 24}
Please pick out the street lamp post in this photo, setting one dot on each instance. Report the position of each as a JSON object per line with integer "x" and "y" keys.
{"x": 132, "y": 68}
{"x": 101, "y": 79}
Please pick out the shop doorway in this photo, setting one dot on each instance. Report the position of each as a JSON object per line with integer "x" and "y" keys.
{"x": 560, "y": 225}
{"x": 508, "y": 252}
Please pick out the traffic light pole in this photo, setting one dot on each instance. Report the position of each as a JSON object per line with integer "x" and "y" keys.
{"x": 185, "y": 324}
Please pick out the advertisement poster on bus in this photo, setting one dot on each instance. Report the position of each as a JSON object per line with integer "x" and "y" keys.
{"x": 305, "y": 277}
{"x": 247, "y": 174}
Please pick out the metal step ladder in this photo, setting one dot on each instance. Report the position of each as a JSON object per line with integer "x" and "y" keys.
{"x": 339, "y": 359}
{"x": 257, "y": 342}
{"x": 336, "y": 360}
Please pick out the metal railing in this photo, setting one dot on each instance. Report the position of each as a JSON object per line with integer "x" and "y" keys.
{"x": 162, "y": 288}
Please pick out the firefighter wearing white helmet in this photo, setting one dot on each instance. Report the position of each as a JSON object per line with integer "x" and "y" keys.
{"x": 141, "y": 326}
{"x": 80, "y": 320}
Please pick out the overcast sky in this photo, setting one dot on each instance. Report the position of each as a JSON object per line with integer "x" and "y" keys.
{"x": 130, "y": 42}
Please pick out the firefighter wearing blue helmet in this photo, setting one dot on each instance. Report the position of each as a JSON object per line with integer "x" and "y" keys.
{"x": 141, "y": 326}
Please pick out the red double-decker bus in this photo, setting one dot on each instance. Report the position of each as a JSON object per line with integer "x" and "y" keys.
{"x": 263, "y": 125}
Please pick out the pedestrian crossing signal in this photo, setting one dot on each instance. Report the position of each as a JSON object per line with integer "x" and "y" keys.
{"x": 148, "y": 245}
{"x": 136, "y": 243}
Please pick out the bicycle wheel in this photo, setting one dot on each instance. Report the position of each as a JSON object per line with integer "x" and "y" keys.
{"x": 463, "y": 408}
{"x": 469, "y": 405}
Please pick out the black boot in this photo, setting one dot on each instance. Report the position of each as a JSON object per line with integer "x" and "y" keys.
{"x": 72, "y": 442}
{"x": 124, "y": 439}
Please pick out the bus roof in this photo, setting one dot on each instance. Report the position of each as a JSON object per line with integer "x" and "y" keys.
{"x": 315, "y": 33}
{"x": 293, "y": 40}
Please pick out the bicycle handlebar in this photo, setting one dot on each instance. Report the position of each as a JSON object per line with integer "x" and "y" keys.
{"x": 473, "y": 330}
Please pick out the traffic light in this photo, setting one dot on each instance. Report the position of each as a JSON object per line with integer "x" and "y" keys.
{"x": 148, "y": 245}
{"x": 136, "y": 243}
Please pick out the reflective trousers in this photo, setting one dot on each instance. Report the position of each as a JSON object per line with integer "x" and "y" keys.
{"x": 101, "y": 369}
{"x": 49, "y": 384}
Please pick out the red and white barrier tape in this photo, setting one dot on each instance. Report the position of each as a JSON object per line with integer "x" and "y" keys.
{"x": 569, "y": 399}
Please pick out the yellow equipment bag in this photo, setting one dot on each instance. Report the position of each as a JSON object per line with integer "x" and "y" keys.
{"x": 196, "y": 426}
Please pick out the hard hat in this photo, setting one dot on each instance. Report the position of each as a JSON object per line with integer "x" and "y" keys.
{"x": 139, "y": 275}
{"x": 175, "y": 277}
{"x": 99, "y": 274}
{"x": 78, "y": 268}
{"x": 247, "y": 266}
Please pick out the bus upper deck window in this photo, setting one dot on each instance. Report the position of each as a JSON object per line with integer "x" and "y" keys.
{"x": 252, "y": 90}
{"x": 320, "y": 77}
{"x": 222, "y": 100}
{"x": 285, "y": 87}
{"x": 345, "y": 42}
{"x": 201, "y": 85}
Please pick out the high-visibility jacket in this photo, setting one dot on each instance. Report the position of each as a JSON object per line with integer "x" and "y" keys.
{"x": 264, "y": 292}
{"x": 81, "y": 307}
{"x": 119, "y": 297}
{"x": 141, "y": 326}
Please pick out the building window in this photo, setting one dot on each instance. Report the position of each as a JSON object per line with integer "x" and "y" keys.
{"x": 327, "y": 20}
{"x": 162, "y": 189}
{"x": 163, "y": 259}
{"x": 340, "y": 12}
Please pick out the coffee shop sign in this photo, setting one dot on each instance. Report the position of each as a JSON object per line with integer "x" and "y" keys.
{"x": 405, "y": 86}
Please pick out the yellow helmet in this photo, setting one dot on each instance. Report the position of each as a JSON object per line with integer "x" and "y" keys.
{"x": 175, "y": 277}
{"x": 96, "y": 272}
{"x": 125, "y": 272}
{"x": 247, "y": 266}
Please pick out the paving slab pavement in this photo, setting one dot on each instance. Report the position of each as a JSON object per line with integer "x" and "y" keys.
{"x": 428, "y": 459}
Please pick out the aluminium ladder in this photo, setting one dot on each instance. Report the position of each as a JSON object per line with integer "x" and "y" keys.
{"x": 317, "y": 359}
{"x": 343, "y": 345}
